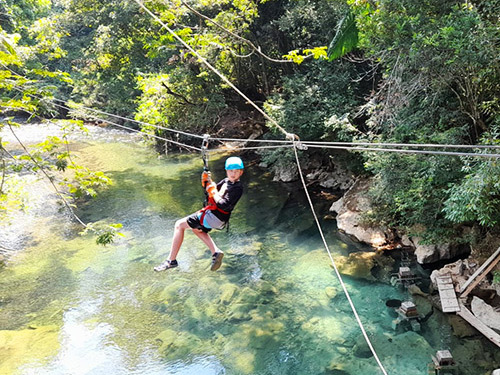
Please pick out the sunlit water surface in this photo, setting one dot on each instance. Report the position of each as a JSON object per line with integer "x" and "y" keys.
{"x": 69, "y": 306}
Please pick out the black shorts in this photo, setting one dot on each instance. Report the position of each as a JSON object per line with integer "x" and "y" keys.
{"x": 194, "y": 222}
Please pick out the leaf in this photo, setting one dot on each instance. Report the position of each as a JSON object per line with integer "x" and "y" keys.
{"x": 6, "y": 44}
{"x": 346, "y": 38}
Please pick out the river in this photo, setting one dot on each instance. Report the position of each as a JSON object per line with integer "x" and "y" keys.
{"x": 69, "y": 306}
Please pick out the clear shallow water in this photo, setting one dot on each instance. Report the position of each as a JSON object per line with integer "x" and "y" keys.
{"x": 68, "y": 306}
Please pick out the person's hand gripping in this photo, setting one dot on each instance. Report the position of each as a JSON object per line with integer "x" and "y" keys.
{"x": 211, "y": 189}
{"x": 206, "y": 178}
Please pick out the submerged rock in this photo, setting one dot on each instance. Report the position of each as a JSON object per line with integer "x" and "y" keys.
{"x": 175, "y": 344}
{"x": 357, "y": 264}
{"x": 331, "y": 292}
{"x": 41, "y": 342}
{"x": 460, "y": 327}
{"x": 415, "y": 290}
{"x": 360, "y": 264}
{"x": 227, "y": 292}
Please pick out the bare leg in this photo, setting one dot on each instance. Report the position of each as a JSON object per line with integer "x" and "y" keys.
{"x": 180, "y": 226}
{"x": 207, "y": 240}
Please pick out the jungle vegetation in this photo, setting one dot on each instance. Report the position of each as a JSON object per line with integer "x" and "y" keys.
{"x": 335, "y": 70}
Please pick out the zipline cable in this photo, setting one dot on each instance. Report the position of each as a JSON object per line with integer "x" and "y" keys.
{"x": 327, "y": 143}
{"x": 346, "y": 292}
{"x": 402, "y": 151}
{"x": 136, "y": 131}
{"x": 137, "y": 121}
{"x": 289, "y": 143}
{"x": 212, "y": 68}
{"x": 314, "y": 144}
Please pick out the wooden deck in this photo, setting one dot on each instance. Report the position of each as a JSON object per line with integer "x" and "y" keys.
{"x": 480, "y": 326}
{"x": 449, "y": 302}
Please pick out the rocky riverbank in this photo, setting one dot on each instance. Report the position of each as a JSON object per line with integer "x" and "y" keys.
{"x": 484, "y": 300}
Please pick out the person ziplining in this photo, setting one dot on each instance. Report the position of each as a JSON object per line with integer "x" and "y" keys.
{"x": 221, "y": 200}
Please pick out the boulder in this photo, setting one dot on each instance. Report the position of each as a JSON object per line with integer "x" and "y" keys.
{"x": 350, "y": 222}
{"x": 433, "y": 253}
{"x": 285, "y": 173}
{"x": 337, "y": 205}
{"x": 358, "y": 264}
{"x": 350, "y": 210}
{"x": 485, "y": 313}
{"x": 456, "y": 269}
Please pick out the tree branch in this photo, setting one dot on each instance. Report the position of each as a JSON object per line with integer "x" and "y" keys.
{"x": 48, "y": 178}
{"x": 244, "y": 40}
{"x": 3, "y": 176}
{"x": 182, "y": 97}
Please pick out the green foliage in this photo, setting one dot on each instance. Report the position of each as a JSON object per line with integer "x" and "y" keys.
{"x": 309, "y": 99}
{"x": 106, "y": 233}
{"x": 496, "y": 277}
{"x": 411, "y": 192}
{"x": 15, "y": 15}
{"x": 346, "y": 38}
{"x": 85, "y": 182}
{"x": 447, "y": 49}
{"x": 476, "y": 198}
{"x": 182, "y": 100}
{"x": 22, "y": 95}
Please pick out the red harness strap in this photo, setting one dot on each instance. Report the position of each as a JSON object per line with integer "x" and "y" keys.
{"x": 210, "y": 206}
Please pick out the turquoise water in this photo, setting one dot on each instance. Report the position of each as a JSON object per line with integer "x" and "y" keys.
{"x": 68, "y": 306}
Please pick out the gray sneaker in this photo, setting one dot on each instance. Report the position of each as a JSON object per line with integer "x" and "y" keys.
{"x": 216, "y": 261}
{"x": 166, "y": 265}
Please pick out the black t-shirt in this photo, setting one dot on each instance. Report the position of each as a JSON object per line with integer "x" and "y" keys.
{"x": 230, "y": 197}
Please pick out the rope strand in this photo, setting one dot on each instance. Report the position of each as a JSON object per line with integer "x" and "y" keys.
{"x": 346, "y": 292}
{"x": 212, "y": 68}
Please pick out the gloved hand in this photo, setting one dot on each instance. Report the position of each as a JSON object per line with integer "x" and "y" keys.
{"x": 211, "y": 189}
{"x": 206, "y": 178}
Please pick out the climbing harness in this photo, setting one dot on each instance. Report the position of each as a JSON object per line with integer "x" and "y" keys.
{"x": 209, "y": 203}
{"x": 212, "y": 206}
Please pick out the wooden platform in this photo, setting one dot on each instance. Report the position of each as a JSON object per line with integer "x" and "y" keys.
{"x": 480, "y": 326}
{"x": 447, "y": 294}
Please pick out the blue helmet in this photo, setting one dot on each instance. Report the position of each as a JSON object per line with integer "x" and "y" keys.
{"x": 234, "y": 162}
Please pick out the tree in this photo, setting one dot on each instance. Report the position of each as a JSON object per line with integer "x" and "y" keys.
{"x": 22, "y": 95}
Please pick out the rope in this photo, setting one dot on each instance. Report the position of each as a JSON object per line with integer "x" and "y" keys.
{"x": 290, "y": 137}
{"x": 299, "y": 168}
{"x": 424, "y": 145}
{"x": 150, "y": 135}
{"x": 255, "y": 148}
{"x": 130, "y": 129}
{"x": 137, "y": 121}
{"x": 222, "y": 76}
{"x": 404, "y": 151}
{"x": 289, "y": 143}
